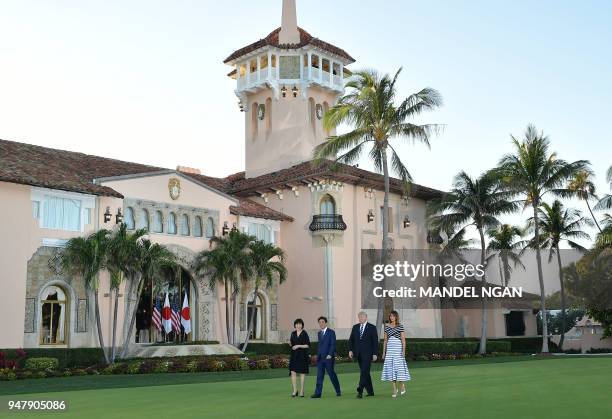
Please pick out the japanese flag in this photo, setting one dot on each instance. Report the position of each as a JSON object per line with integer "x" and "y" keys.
{"x": 185, "y": 318}
{"x": 167, "y": 316}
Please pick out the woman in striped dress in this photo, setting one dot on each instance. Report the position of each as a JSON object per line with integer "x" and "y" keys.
{"x": 394, "y": 354}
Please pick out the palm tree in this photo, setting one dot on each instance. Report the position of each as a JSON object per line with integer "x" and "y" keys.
{"x": 122, "y": 264}
{"x": 370, "y": 107}
{"x": 228, "y": 262}
{"x": 532, "y": 172}
{"x": 153, "y": 259}
{"x": 268, "y": 264}
{"x": 472, "y": 202}
{"x": 606, "y": 201}
{"x": 85, "y": 258}
{"x": 503, "y": 244}
{"x": 583, "y": 188}
{"x": 604, "y": 239}
{"x": 558, "y": 224}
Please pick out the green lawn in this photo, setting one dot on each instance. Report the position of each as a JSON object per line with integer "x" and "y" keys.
{"x": 558, "y": 388}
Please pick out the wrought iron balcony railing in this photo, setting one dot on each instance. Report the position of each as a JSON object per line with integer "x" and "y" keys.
{"x": 327, "y": 222}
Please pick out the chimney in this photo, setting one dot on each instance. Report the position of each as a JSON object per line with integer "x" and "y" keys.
{"x": 186, "y": 169}
{"x": 289, "y": 32}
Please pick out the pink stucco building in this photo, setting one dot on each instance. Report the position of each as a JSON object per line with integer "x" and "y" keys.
{"x": 321, "y": 218}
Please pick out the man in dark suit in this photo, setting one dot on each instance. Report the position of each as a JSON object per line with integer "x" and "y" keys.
{"x": 326, "y": 353}
{"x": 363, "y": 345}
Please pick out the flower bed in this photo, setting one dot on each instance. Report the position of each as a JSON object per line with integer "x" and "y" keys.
{"x": 194, "y": 364}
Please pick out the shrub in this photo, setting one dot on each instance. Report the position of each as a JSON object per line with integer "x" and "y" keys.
{"x": 134, "y": 367}
{"x": 41, "y": 364}
{"x": 237, "y": 364}
{"x": 499, "y": 346}
{"x": 148, "y": 366}
{"x": 161, "y": 367}
{"x": 121, "y": 368}
{"x": 191, "y": 366}
{"x": 279, "y": 362}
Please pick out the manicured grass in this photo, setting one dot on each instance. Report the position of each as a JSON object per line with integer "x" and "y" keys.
{"x": 559, "y": 388}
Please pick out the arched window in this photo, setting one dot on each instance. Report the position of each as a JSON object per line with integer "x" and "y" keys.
{"x": 158, "y": 222}
{"x": 210, "y": 227}
{"x": 254, "y": 120}
{"x": 325, "y": 109}
{"x": 255, "y": 311}
{"x": 143, "y": 219}
{"x": 268, "y": 116}
{"x": 184, "y": 225}
{"x": 171, "y": 223}
{"x": 128, "y": 219}
{"x": 197, "y": 226}
{"x": 53, "y": 318}
{"x": 312, "y": 112}
{"x": 327, "y": 205}
{"x": 387, "y": 308}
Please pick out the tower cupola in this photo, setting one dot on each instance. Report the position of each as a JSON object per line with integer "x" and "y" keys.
{"x": 285, "y": 82}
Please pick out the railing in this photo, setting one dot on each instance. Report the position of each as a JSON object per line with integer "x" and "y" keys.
{"x": 269, "y": 73}
{"x": 327, "y": 222}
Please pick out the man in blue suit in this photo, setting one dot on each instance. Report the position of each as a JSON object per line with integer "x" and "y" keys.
{"x": 326, "y": 353}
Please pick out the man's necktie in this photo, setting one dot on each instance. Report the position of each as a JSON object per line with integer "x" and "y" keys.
{"x": 361, "y": 331}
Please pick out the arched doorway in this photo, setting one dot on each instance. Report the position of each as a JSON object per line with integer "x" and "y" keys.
{"x": 175, "y": 284}
{"x": 53, "y": 316}
{"x": 256, "y": 312}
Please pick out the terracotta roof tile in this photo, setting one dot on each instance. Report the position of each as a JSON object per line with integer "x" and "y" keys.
{"x": 305, "y": 39}
{"x": 242, "y": 186}
{"x": 251, "y": 208}
{"x": 59, "y": 169}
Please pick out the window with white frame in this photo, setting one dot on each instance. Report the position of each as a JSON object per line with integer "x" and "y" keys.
{"x": 171, "y": 223}
{"x": 61, "y": 210}
{"x": 128, "y": 218}
{"x": 210, "y": 227}
{"x": 143, "y": 219}
{"x": 262, "y": 232}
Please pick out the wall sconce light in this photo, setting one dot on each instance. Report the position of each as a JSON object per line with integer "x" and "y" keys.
{"x": 370, "y": 216}
{"x": 119, "y": 216}
{"x": 434, "y": 237}
{"x": 241, "y": 106}
{"x": 284, "y": 91}
{"x": 406, "y": 222}
{"x": 234, "y": 228}
{"x": 107, "y": 215}
{"x": 294, "y": 90}
{"x": 225, "y": 229}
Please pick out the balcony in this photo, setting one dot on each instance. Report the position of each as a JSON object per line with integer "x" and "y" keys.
{"x": 327, "y": 222}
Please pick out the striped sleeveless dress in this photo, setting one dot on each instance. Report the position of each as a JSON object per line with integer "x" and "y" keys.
{"x": 395, "y": 367}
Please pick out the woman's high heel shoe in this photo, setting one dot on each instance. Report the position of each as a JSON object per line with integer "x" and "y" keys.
{"x": 394, "y": 395}
{"x": 294, "y": 394}
{"x": 403, "y": 391}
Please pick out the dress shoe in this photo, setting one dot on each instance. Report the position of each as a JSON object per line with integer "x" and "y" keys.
{"x": 360, "y": 395}
{"x": 338, "y": 394}
{"x": 315, "y": 396}
{"x": 370, "y": 395}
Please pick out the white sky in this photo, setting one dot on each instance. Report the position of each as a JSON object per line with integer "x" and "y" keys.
{"x": 144, "y": 80}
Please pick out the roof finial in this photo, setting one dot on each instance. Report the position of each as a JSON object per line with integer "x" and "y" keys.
{"x": 289, "y": 32}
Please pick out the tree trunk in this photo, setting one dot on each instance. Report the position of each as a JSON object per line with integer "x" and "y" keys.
{"x": 562, "y": 291}
{"x": 227, "y": 311}
{"x": 234, "y": 313}
{"x": 99, "y": 326}
{"x": 482, "y": 349}
{"x": 592, "y": 215}
{"x": 385, "y": 241}
{"x": 251, "y": 321}
{"x": 113, "y": 346}
{"x": 536, "y": 223}
{"x": 130, "y": 329}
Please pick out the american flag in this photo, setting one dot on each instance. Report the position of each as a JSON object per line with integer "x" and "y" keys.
{"x": 157, "y": 314}
{"x": 176, "y": 315}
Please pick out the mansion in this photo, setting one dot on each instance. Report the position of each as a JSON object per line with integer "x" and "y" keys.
{"x": 321, "y": 218}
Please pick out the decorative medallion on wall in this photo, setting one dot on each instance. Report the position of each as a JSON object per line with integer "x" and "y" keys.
{"x": 319, "y": 111}
{"x": 55, "y": 262}
{"x": 174, "y": 187}
{"x": 261, "y": 111}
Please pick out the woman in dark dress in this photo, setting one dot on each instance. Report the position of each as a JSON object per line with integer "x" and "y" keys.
{"x": 299, "y": 360}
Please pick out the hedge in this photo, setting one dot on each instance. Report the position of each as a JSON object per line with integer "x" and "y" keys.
{"x": 66, "y": 357}
{"x": 415, "y": 347}
{"x": 38, "y": 364}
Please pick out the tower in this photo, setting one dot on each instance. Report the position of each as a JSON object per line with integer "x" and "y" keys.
{"x": 285, "y": 83}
